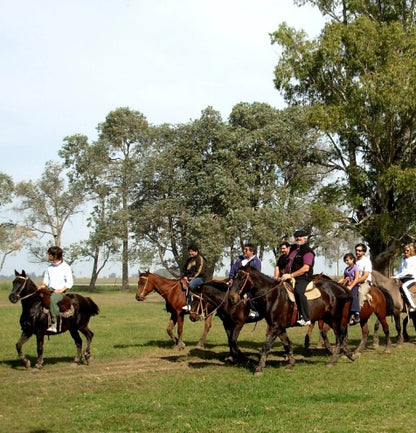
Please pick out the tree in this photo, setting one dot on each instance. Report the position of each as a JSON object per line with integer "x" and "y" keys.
{"x": 359, "y": 78}
{"x": 181, "y": 196}
{"x": 124, "y": 135}
{"x": 88, "y": 166}
{"x": 48, "y": 203}
{"x": 220, "y": 185}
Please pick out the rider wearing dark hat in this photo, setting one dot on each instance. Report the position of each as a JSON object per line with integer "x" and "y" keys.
{"x": 300, "y": 266}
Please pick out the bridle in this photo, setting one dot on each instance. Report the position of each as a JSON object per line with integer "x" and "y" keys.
{"x": 246, "y": 280}
{"x": 143, "y": 291}
{"x": 22, "y": 288}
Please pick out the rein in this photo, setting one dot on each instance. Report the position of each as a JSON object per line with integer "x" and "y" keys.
{"x": 216, "y": 308}
{"x": 240, "y": 291}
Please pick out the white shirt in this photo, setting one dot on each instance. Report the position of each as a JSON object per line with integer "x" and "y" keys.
{"x": 58, "y": 276}
{"x": 365, "y": 265}
{"x": 407, "y": 267}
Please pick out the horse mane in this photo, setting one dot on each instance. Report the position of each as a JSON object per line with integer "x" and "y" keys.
{"x": 259, "y": 274}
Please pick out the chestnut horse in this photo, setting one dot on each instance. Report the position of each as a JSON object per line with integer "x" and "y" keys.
{"x": 275, "y": 306}
{"x": 171, "y": 291}
{"x": 34, "y": 318}
{"x": 378, "y": 302}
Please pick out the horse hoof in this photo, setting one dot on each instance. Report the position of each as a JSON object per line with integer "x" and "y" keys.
{"x": 26, "y": 363}
{"x": 258, "y": 373}
{"x": 38, "y": 366}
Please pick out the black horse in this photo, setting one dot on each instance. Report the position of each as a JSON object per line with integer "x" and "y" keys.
{"x": 34, "y": 318}
{"x": 275, "y": 306}
{"x": 212, "y": 298}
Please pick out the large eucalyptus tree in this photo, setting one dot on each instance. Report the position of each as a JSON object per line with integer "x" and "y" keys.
{"x": 359, "y": 78}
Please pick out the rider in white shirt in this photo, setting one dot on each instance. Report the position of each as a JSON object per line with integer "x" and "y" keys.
{"x": 407, "y": 273}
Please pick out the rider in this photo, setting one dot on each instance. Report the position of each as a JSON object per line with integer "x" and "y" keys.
{"x": 350, "y": 278}
{"x": 193, "y": 272}
{"x": 300, "y": 267}
{"x": 249, "y": 257}
{"x": 407, "y": 273}
{"x": 57, "y": 278}
{"x": 366, "y": 268}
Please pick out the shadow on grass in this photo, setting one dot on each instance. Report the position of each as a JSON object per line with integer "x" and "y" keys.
{"x": 16, "y": 364}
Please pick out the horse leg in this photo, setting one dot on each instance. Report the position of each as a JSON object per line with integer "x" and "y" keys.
{"x": 89, "y": 336}
{"x": 233, "y": 331}
{"x": 376, "y": 339}
{"x": 22, "y": 340}
{"x": 398, "y": 329}
{"x": 307, "y": 342}
{"x": 324, "y": 341}
{"x": 180, "y": 344}
{"x": 78, "y": 343}
{"x": 341, "y": 342}
{"x": 386, "y": 331}
{"x": 364, "y": 335}
{"x": 207, "y": 327}
{"x": 405, "y": 334}
{"x": 39, "y": 344}
{"x": 287, "y": 344}
{"x": 171, "y": 325}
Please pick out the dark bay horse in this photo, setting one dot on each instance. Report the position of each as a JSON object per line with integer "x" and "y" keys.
{"x": 174, "y": 296}
{"x": 34, "y": 318}
{"x": 275, "y": 306}
{"x": 212, "y": 298}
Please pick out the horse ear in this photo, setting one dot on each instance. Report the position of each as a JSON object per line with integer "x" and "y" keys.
{"x": 23, "y": 273}
{"x": 16, "y": 273}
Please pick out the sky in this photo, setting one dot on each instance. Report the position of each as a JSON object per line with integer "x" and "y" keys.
{"x": 66, "y": 64}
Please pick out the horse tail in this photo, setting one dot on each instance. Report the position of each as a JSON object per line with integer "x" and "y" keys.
{"x": 94, "y": 310}
{"x": 389, "y": 301}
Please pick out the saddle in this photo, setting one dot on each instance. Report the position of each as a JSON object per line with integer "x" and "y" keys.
{"x": 66, "y": 309}
{"x": 311, "y": 292}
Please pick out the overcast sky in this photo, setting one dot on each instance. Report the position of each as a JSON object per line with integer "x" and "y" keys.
{"x": 65, "y": 64}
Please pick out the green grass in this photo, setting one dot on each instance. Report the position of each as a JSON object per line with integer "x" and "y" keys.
{"x": 136, "y": 382}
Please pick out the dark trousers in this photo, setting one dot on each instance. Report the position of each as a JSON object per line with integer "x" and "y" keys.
{"x": 355, "y": 305}
{"x": 301, "y": 301}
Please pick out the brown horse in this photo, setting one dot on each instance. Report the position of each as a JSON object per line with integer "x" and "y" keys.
{"x": 34, "y": 318}
{"x": 174, "y": 296}
{"x": 275, "y": 306}
{"x": 378, "y": 302}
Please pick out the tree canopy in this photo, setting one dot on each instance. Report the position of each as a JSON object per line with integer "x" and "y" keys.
{"x": 359, "y": 80}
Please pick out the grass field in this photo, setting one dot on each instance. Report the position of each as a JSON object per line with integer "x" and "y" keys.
{"x": 136, "y": 382}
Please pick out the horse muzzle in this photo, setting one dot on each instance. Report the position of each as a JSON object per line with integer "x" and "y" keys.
{"x": 139, "y": 298}
{"x": 13, "y": 298}
{"x": 194, "y": 317}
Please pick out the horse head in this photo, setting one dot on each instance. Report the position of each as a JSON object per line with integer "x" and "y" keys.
{"x": 19, "y": 286}
{"x": 144, "y": 287}
{"x": 241, "y": 283}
